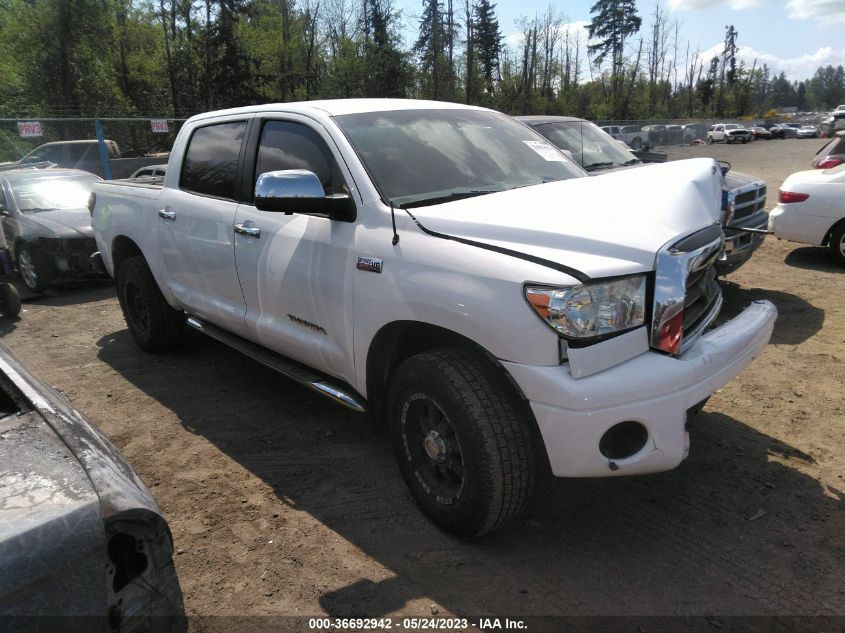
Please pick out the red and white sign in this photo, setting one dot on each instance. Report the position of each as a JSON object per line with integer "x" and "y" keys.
{"x": 159, "y": 125}
{"x": 30, "y": 129}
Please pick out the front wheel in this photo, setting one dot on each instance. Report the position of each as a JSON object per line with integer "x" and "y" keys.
{"x": 10, "y": 300}
{"x": 31, "y": 269}
{"x": 462, "y": 441}
{"x": 155, "y": 326}
{"x": 837, "y": 243}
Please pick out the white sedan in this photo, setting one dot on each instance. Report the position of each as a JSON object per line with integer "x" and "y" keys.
{"x": 808, "y": 131}
{"x": 811, "y": 210}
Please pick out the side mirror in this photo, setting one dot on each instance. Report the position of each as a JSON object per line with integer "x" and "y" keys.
{"x": 300, "y": 191}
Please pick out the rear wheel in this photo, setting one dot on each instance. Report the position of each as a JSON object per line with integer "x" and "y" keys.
{"x": 155, "y": 326}
{"x": 461, "y": 440}
{"x": 837, "y": 243}
{"x": 636, "y": 143}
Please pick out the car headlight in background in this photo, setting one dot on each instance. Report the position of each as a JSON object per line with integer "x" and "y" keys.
{"x": 591, "y": 310}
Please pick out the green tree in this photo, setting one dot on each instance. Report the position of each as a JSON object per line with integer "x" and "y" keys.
{"x": 827, "y": 87}
{"x": 387, "y": 68}
{"x": 488, "y": 39}
{"x": 614, "y": 21}
{"x": 431, "y": 49}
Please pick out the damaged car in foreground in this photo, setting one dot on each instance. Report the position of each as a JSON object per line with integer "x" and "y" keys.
{"x": 47, "y": 224}
{"x": 83, "y": 545}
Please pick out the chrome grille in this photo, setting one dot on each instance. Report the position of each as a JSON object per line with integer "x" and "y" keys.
{"x": 746, "y": 201}
{"x": 702, "y": 294}
{"x": 685, "y": 279}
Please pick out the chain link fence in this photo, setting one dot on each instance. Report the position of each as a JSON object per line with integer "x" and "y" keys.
{"x": 129, "y": 143}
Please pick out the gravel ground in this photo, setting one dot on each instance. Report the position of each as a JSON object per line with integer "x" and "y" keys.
{"x": 283, "y": 504}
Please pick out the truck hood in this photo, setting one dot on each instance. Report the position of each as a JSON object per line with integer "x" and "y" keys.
{"x": 59, "y": 222}
{"x": 606, "y": 226}
{"x": 734, "y": 179}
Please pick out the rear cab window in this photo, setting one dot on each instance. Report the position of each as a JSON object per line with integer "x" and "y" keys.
{"x": 210, "y": 165}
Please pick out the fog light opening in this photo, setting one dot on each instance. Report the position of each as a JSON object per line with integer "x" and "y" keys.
{"x": 623, "y": 440}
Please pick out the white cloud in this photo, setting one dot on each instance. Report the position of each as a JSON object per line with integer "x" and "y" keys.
{"x": 796, "y": 68}
{"x": 822, "y": 10}
{"x": 737, "y": 5}
{"x": 577, "y": 29}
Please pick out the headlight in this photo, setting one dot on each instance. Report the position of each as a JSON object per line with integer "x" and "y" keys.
{"x": 591, "y": 310}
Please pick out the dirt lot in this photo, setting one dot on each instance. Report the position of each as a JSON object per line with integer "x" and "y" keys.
{"x": 282, "y": 503}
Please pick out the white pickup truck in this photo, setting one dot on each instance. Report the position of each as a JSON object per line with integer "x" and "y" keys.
{"x": 446, "y": 269}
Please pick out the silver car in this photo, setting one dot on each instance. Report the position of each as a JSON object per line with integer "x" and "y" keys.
{"x": 47, "y": 224}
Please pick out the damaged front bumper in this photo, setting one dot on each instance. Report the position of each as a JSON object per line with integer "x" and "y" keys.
{"x": 650, "y": 393}
{"x": 66, "y": 258}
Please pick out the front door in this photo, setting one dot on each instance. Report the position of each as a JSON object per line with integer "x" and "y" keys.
{"x": 296, "y": 270}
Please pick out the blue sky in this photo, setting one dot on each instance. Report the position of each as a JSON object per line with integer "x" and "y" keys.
{"x": 794, "y": 36}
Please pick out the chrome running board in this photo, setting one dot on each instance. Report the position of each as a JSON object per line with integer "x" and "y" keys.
{"x": 314, "y": 380}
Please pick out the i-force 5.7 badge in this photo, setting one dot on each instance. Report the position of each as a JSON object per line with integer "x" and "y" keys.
{"x": 369, "y": 263}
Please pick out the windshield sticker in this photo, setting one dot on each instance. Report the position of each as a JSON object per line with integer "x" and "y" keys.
{"x": 545, "y": 150}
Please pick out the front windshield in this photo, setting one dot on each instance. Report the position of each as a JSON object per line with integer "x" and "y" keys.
{"x": 43, "y": 193}
{"x": 590, "y": 147}
{"x": 417, "y": 157}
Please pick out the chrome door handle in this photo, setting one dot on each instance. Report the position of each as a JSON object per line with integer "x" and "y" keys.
{"x": 248, "y": 229}
{"x": 167, "y": 214}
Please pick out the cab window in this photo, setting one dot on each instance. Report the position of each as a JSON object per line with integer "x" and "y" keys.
{"x": 288, "y": 145}
{"x": 211, "y": 160}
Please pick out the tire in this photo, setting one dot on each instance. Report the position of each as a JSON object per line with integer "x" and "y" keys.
{"x": 637, "y": 143}
{"x": 837, "y": 243}
{"x": 155, "y": 326}
{"x": 709, "y": 140}
{"x": 10, "y": 300}
{"x": 462, "y": 443}
{"x": 31, "y": 268}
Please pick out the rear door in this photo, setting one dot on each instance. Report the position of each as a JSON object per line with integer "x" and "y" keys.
{"x": 195, "y": 225}
{"x": 296, "y": 274}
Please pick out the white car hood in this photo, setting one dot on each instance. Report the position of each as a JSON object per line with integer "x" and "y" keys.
{"x": 601, "y": 227}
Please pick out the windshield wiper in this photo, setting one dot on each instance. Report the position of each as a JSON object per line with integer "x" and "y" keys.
{"x": 600, "y": 165}
{"x": 38, "y": 209}
{"x": 632, "y": 161}
{"x": 449, "y": 197}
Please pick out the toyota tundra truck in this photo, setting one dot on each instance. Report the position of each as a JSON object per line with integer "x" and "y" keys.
{"x": 446, "y": 269}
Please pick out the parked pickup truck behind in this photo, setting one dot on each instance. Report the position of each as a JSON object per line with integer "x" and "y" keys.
{"x": 85, "y": 155}
{"x": 447, "y": 269}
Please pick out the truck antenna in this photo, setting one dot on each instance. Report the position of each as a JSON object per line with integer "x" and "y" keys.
{"x": 393, "y": 219}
